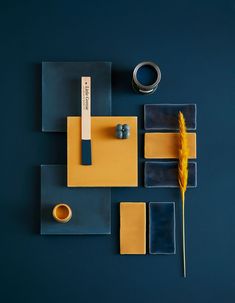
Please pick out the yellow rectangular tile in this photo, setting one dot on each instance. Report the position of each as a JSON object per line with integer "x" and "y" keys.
{"x": 114, "y": 161}
{"x": 165, "y": 145}
{"x": 132, "y": 228}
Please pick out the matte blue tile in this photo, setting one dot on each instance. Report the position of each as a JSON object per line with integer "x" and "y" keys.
{"x": 165, "y": 174}
{"x": 61, "y": 91}
{"x": 162, "y": 228}
{"x": 91, "y": 207}
{"x": 165, "y": 116}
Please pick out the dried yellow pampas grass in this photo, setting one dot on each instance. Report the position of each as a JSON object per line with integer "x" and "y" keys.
{"x": 183, "y": 175}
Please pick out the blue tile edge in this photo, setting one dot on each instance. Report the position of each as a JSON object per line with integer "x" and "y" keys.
{"x": 167, "y": 186}
{"x": 161, "y": 253}
{"x": 171, "y": 129}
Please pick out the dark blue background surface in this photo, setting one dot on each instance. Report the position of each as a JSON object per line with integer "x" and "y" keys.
{"x": 194, "y": 44}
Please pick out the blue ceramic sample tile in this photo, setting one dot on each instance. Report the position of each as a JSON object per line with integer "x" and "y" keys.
{"x": 61, "y": 91}
{"x": 165, "y": 174}
{"x": 165, "y": 116}
{"x": 162, "y": 228}
{"x": 91, "y": 207}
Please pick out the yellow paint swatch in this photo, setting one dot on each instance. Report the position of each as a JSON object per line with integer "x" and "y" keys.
{"x": 132, "y": 228}
{"x": 165, "y": 145}
{"x": 114, "y": 161}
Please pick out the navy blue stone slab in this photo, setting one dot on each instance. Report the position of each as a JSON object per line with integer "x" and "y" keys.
{"x": 165, "y": 174}
{"x": 61, "y": 91}
{"x": 91, "y": 207}
{"x": 165, "y": 116}
{"x": 162, "y": 228}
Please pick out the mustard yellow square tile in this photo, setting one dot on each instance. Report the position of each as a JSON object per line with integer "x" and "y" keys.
{"x": 114, "y": 161}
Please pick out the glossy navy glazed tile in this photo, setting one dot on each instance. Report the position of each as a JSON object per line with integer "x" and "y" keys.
{"x": 91, "y": 207}
{"x": 165, "y": 174}
{"x": 162, "y": 228}
{"x": 165, "y": 116}
{"x": 61, "y": 91}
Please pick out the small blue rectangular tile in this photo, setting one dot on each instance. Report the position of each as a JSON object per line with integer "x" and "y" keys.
{"x": 61, "y": 91}
{"x": 91, "y": 207}
{"x": 86, "y": 152}
{"x": 162, "y": 228}
{"x": 165, "y": 116}
{"x": 165, "y": 174}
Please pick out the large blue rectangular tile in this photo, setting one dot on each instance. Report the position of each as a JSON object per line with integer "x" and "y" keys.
{"x": 61, "y": 91}
{"x": 91, "y": 207}
{"x": 165, "y": 174}
{"x": 165, "y": 116}
{"x": 162, "y": 228}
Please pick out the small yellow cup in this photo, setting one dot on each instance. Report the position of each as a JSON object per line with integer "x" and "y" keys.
{"x": 62, "y": 213}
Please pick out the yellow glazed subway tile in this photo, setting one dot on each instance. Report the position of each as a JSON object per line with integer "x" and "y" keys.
{"x": 132, "y": 228}
{"x": 114, "y": 161}
{"x": 165, "y": 145}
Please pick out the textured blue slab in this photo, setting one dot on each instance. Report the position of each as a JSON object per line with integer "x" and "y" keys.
{"x": 165, "y": 116}
{"x": 165, "y": 174}
{"x": 91, "y": 207}
{"x": 61, "y": 91}
{"x": 162, "y": 228}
